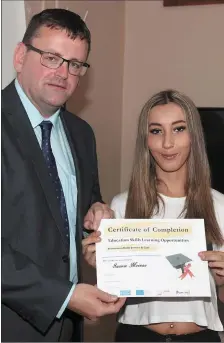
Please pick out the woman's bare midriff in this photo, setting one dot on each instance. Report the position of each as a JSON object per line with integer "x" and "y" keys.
{"x": 175, "y": 328}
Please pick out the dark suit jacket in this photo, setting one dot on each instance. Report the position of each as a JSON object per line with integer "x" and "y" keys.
{"x": 35, "y": 258}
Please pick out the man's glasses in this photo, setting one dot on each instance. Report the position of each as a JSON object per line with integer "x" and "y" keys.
{"x": 52, "y": 61}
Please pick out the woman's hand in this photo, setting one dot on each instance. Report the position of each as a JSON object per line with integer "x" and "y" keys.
{"x": 96, "y": 213}
{"x": 89, "y": 247}
{"x": 216, "y": 263}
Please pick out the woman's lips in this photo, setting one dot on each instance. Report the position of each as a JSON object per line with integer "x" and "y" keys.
{"x": 169, "y": 156}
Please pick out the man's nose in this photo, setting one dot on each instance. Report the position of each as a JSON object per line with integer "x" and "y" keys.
{"x": 62, "y": 71}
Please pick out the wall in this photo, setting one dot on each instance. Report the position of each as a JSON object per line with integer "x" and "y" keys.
{"x": 11, "y": 35}
{"x": 179, "y": 47}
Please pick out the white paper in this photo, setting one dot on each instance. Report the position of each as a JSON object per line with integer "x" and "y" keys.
{"x": 135, "y": 258}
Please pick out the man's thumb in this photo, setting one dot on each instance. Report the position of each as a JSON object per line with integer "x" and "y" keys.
{"x": 106, "y": 297}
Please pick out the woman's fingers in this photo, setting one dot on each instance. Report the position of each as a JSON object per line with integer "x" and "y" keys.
{"x": 89, "y": 247}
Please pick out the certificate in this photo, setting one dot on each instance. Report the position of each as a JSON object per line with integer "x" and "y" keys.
{"x": 152, "y": 258}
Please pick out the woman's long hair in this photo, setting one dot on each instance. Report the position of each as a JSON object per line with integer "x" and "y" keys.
{"x": 143, "y": 198}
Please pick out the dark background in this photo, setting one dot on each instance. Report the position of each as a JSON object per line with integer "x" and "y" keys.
{"x": 213, "y": 124}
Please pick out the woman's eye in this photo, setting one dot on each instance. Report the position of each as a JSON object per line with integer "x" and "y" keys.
{"x": 155, "y": 131}
{"x": 180, "y": 128}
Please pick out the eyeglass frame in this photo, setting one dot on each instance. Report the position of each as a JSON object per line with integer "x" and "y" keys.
{"x": 41, "y": 52}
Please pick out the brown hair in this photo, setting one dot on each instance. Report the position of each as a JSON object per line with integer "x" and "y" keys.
{"x": 58, "y": 18}
{"x": 143, "y": 198}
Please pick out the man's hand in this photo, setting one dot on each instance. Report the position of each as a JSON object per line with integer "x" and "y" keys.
{"x": 216, "y": 263}
{"x": 92, "y": 303}
{"x": 97, "y": 212}
{"x": 89, "y": 247}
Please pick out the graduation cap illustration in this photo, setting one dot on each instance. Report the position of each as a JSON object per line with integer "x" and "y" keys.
{"x": 178, "y": 261}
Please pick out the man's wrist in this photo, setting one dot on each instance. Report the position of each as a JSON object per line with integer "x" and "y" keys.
{"x": 65, "y": 303}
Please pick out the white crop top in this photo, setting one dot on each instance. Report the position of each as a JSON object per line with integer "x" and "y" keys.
{"x": 142, "y": 311}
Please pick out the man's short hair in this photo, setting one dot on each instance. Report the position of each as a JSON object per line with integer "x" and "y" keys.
{"x": 59, "y": 19}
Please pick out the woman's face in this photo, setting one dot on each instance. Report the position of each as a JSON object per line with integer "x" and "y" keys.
{"x": 168, "y": 139}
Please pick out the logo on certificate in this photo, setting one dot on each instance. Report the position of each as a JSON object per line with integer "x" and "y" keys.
{"x": 179, "y": 261}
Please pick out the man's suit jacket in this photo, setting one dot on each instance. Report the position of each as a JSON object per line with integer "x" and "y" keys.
{"x": 35, "y": 258}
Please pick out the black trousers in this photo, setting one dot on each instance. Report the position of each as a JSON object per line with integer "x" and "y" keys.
{"x": 138, "y": 333}
{"x": 72, "y": 330}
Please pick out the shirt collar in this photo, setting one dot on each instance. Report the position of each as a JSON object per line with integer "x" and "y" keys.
{"x": 33, "y": 114}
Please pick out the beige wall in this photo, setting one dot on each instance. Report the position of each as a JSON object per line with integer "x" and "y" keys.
{"x": 179, "y": 47}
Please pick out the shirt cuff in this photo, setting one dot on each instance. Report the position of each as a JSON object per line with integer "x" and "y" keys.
{"x": 65, "y": 302}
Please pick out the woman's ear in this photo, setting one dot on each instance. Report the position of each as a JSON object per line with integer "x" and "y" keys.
{"x": 19, "y": 56}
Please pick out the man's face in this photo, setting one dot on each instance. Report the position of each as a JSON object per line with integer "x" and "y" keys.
{"x": 48, "y": 89}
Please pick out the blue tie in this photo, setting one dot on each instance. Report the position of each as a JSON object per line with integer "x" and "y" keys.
{"x": 46, "y": 127}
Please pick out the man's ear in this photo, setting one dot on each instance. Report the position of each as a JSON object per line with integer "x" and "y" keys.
{"x": 19, "y": 56}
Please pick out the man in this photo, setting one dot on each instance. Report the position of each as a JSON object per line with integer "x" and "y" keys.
{"x": 50, "y": 187}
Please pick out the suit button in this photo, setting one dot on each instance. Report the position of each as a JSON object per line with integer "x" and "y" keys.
{"x": 65, "y": 258}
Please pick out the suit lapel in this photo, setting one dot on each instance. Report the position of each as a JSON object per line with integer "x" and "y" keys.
{"x": 29, "y": 145}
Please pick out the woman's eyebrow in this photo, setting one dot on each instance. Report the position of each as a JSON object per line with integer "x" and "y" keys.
{"x": 155, "y": 124}
{"x": 173, "y": 123}
{"x": 179, "y": 121}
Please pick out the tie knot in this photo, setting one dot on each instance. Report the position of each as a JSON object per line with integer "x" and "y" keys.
{"x": 46, "y": 125}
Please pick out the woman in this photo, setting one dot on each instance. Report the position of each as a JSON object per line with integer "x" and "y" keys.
{"x": 171, "y": 179}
